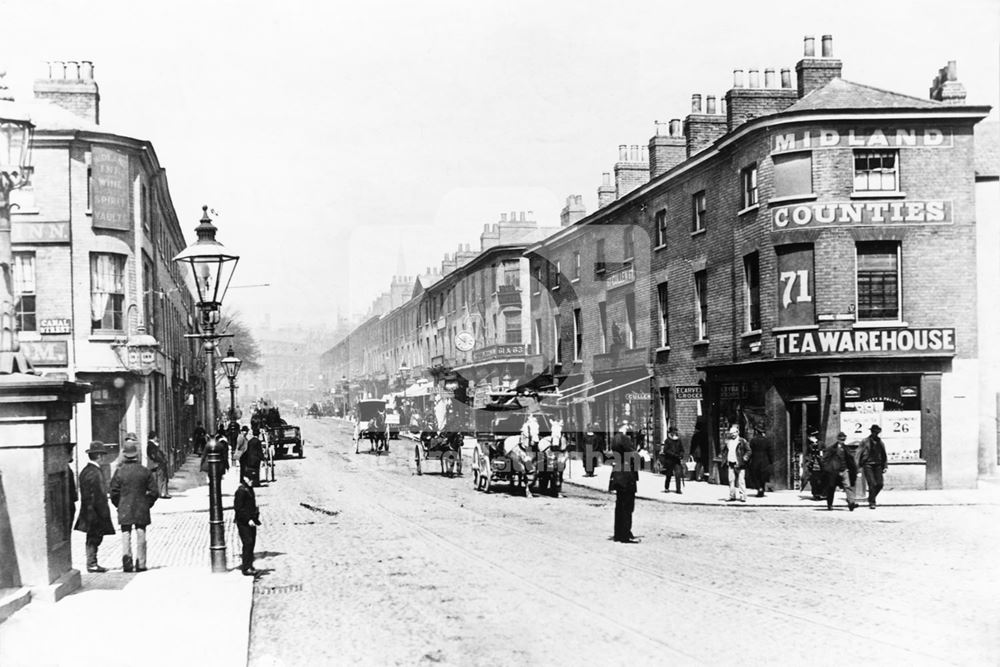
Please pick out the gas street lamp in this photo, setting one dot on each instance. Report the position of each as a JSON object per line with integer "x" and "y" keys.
{"x": 231, "y": 366}
{"x": 212, "y": 266}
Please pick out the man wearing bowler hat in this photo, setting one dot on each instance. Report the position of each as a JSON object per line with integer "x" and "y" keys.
{"x": 133, "y": 492}
{"x": 95, "y": 514}
{"x": 873, "y": 463}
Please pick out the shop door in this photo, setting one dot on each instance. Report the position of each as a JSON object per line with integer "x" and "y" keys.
{"x": 803, "y": 414}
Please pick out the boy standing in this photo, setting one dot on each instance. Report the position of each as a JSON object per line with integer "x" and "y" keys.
{"x": 247, "y": 520}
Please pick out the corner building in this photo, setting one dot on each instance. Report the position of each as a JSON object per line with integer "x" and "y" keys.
{"x": 810, "y": 264}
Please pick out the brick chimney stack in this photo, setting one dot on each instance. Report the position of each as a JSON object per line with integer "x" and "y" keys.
{"x": 667, "y": 148}
{"x": 573, "y": 211}
{"x": 606, "y": 191}
{"x": 814, "y": 72}
{"x": 71, "y": 86}
{"x": 631, "y": 170}
{"x": 746, "y": 103}
{"x": 702, "y": 128}
{"x": 946, "y": 87}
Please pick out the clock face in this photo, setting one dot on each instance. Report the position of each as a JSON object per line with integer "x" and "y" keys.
{"x": 464, "y": 341}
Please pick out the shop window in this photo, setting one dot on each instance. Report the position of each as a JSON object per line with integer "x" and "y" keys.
{"x": 24, "y": 291}
{"x": 661, "y": 299}
{"x": 751, "y": 291}
{"x": 748, "y": 186}
{"x": 107, "y": 291}
{"x": 577, "y": 335}
{"x": 698, "y": 210}
{"x": 793, "y": 174}
{"x": 602, "y": 312}
{"x": 876, "y": 171}
{"x": 878, "y": 281}
{"x": 893, "y": 403}
{"x": 701, "y": 304}
{"x": 661, "y": 228}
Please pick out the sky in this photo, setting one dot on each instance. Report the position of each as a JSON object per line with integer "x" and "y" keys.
{"x": 338, "y": 140}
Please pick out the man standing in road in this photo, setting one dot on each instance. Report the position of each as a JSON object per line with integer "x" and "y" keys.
{"x": 873, "y": 462}
{"x": 95, "y": 514}
{"x": 671, "y": 455}
{"x": 591, "y": 450}
{"x": 761, "y": 459}
{"x": 241, "y": 445}
{"x": 157, "y": 464}
{"x": 840, "y": 470}
{"x": 735, "y": 455}
{"x": 133, "y": 492}
{"x": 250, "y": 461}
{"x": 247, "y": 520}
{"x": 623, "y": 482}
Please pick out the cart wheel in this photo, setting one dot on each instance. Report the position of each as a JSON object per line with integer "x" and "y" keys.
{"x": 557, "y": 484}
{"x": 460, "y": 463}
{"x": 475, "y": 479}
{"x": 416, "y": 454}
{"x": 485, "y": 479}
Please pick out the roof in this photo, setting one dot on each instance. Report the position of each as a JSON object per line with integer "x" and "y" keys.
{"x": 842, "y": 94}
{"x": 988, "y": 149}
{"x": 48, "y": 116}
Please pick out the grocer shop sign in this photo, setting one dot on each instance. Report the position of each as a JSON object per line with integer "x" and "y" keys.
{"x": 880, "y": 342}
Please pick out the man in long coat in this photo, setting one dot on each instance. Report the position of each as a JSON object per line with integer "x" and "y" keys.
{"x": 157, "y": 464}
{"x": 761, "y": 460}
{"x": 840, "y": 470}
{"x": 671, "y": 457}
{"x": 624, "y": 481}
{"x": 133, "y": 492}
{"x": 95, "y": 514}
{"x": 873, "y": 462}
{"x": 250, "y": 461}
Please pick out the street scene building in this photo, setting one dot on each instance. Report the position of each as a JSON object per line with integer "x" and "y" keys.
{"x": 99, "y": 298}
{"x": 777, "y": 259}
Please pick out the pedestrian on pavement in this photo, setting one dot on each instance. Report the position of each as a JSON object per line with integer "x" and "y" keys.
{"x": 761, "y": 459}
{"x": 671, "y": 456}
{"x": 70, "y": 486}
{"x": 591, "y": 450}
{"x": 700, "y": 450}
{"x": 241, "y": 444}
{"x": 623, "y": 482}
{"x": 95, "y": 513}
{"x": 157, "y": 463}
{"x": 873, "y": 462}
{"x": 250, "y": 461}
{"x": 812, "y": 465}
{"x": 247, "y": 520}
{"x": 735, "y": 456}
{"x": 200, "y": 438}
{"x": 133, "y": 492}
{"x": 841, "y": 471}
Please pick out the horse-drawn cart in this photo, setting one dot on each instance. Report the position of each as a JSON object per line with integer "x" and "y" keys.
{"x": 371, "y": 425}
{"x": 444, "y": 446}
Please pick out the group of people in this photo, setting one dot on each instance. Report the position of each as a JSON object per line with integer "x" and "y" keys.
{"x": 134, "y": 489}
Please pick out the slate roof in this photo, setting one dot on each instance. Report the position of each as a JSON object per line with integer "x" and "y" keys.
{"x": 988, "y": 148}
{"x": 842, "y": 94}
{"x": 48, "y": 116}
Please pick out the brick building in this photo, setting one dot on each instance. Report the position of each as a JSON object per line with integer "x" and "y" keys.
{"x": 93, "y": 238}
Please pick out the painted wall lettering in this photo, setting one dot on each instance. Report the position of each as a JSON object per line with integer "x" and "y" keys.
{"x": 843, "y": 214}
{"x": 880, "y": 342}
{"x": 884, "y": 137}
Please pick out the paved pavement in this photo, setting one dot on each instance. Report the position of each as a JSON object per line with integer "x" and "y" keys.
{"x": 176, "y": 613}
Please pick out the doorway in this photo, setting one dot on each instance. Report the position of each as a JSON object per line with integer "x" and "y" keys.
{"x": 803, "y": 414}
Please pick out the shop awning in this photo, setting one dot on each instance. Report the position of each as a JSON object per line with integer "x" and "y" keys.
{"x": 623, "y": 383}
{"x": 418, "y": 388}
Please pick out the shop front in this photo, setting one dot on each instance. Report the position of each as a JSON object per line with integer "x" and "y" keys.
{"x": 623, "y": 392}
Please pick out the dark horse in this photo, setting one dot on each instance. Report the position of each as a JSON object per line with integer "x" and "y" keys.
{"x": 376, "y": 432}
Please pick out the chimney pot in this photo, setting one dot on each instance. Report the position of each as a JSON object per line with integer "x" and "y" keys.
{"x": 827, "y": 46}
{"x": 786, "y": 78}
{"x": 754, "y": 79}
{"x": 606, "y": 178}
{"x": 622, "y": 153}
{"x": 72, "y": 69}
{"x": 710, "y": 104}
{"x": 662, "y": 128}
{"x": 737, "y": 78}
{"x": 522, "y": 216}
{"x": 531, "y": 215}
{"x": 696, "y": 103}
{"x": 513, "y": 216}
{"x": 769, "y": 80}
{"x": 86, "y": 69}
{"x": 675, "y": 127}
{"x": 810, "y": 47}
{"x": 503, "y": 217}
{"x": 952, "y": 70}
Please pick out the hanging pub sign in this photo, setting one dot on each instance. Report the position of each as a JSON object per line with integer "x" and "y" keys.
{"x": 795, "y": 286}
{"x": 110, "y": 189}
{"x": 864, "y": 342}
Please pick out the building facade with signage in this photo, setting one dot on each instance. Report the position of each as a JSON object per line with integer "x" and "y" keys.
{"x": 93, "y": 238}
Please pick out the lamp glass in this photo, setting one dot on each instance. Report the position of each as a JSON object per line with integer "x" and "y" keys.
{"x": 231, "y": 365}
{"x": 15, "y": 144}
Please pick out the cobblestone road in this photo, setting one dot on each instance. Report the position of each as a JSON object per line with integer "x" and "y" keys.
{"x": 366, "y": 563}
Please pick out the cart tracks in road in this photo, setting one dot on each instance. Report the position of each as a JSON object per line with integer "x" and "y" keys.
{"x": 849, "y": 627}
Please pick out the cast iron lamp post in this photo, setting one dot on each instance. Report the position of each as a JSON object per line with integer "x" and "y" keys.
{"x": 15, "y": 172}
{"x": 212, "y": 266}
{"x": 231, "y": 366}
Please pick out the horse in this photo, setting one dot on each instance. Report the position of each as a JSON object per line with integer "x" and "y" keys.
{"x": 376, "y": 432}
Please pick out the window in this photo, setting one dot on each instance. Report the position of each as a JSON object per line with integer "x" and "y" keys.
{"x": 701, "y": 303}
{"x": 496, "y": 330}
{"x": 512, "y": 330}
{"x": 557, "y": 279}
{"x": 630, "y": 320}
{"x": 748, "y": 179}
{"x": 107, "y": 292}
{"x": 576, "y": 266}
{"x": 24, "y": 291}
{"x": 661, "y": 228}
{"x": 144, "y": 206}
{"x": 751, "y": 291}
{"x": 792, "y": 174}
{"x": 577, "y": 335}
{"x": 602, "y": 311}
{"x": 512, "y": 273}
{"x": 557, "y": 339}
{"x": 538, "y": 280}
{"x": 629, "y": 244}
{"x": 149, "y": 292}
{"x": 878, "y": 281}
{"x": 698, "y": 212}
{"x": 90, "y": 188}
{"x": 537, "y": 337}
{"x": 661, "y": 300}
{"x": 875, "y": 171}
{"x": 600, "y": 264}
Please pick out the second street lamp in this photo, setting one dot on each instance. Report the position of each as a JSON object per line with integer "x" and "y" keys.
{"x": 231, "y": 366}
{"x": 212, "y": 267}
